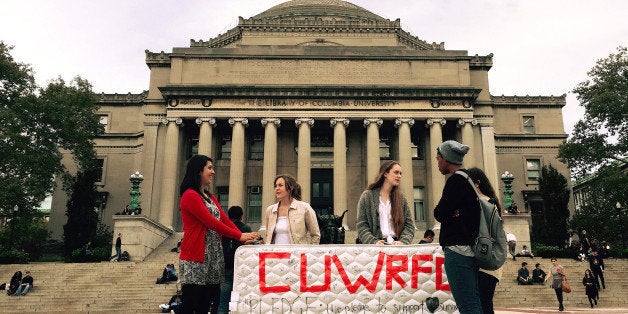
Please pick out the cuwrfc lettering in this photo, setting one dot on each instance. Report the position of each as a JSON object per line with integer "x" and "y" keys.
{"x": 396, "y": 264}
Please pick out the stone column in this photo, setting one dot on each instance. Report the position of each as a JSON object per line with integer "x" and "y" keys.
{"x": 237, "y": 190}
{"x": 270, "y": 164}
{"x": 148, "y": 169}
{"x": 437, "y": 180}
{"x": 489, "y": 153}
{"x": 405, "y": 158}
{"x": 205, "y": 135}
{"x": 340, "y": 166}
{"x": 372, "y": 148}
{"x": 467, "y": 139}
{"x": 304, "y": 155}
{"x": 169, "y": 180}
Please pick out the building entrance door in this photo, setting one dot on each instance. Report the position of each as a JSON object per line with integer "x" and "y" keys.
{"x": 322, "y": 190}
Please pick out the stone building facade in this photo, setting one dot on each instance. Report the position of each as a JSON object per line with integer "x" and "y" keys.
{"x": 323, "y": 90}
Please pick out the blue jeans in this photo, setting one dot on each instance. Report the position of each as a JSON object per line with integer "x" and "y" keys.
{"x": 225, "y": 292}
{"x": 462, "y": 274}
{"x": 22, "y": 289}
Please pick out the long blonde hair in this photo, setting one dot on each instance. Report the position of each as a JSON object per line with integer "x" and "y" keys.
{"x": 396, "y": 210}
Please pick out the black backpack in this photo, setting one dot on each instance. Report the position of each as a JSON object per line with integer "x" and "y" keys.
{"x": 490, "y": 246}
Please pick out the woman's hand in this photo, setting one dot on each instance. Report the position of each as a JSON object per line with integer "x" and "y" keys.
{"x": 397, "y": 243}
{"x": 380, "y": 242}
{"x": 249, "y": 236}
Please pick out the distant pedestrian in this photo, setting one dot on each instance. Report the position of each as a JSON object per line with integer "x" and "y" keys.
{"x": 557, "y": 282}
{"x": 512, "y": 244}
{"x": 118, "y": 247}
{"x": 590, "y": 288}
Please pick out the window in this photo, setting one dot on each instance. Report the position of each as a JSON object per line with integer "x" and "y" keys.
{"x": 104, "y": 121}
{"x": 528, "y": 124}
{"x": 255, "y": 204}
{"x": 222, "y": 194}
{"x": 256, "y": 148}
{"x": 100, "y": 167}
{"x": 225, "y": 147}
{"x": 384, "y": 148}
{"x": 533, "y": 169}
{"x": 419, "y": 204}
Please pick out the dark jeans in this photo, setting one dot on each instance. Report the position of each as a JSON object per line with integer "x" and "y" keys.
{"x": 462, "y": 275}
{"x": 486, "y": 285}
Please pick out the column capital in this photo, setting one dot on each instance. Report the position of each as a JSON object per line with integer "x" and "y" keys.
{"x": 275, "y": 121}
{"x": 431, "y": 121}
{"x": 211, "y": 121}
{"x": 167, "y": 120}
{"x": 309, "y": 121}
{"x": 377, "y": 122}
{"x": 334, "y": 121}
{"x": 400, "y": 121}
{"x": 244, "y": 121}
{"x": 462, "y": 122}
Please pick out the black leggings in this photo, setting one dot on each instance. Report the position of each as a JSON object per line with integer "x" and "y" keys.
{"x": 559, "y": 296}
{"x": 198, "y": 299}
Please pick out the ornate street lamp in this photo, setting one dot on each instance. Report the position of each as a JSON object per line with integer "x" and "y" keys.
{"x": 135, "y": 179}
{"x": 507, "y": 177}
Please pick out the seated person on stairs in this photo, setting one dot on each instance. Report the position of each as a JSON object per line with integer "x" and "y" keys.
{"x": 525, "y": 252}
{"x": 169, "y": 274}
{"x": 523, "y": 276}
{"x": 538, "y": 275}
{"x": 173, "y": 305}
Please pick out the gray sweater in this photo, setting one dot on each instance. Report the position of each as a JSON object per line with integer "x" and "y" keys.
{"x": 369, "y": 230}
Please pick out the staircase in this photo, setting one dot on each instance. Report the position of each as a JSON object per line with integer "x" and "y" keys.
{"x": 130, "y": 287}
{"x": 509, "y": 294}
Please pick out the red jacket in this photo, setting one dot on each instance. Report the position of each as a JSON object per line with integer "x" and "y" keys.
{"x": 196, "y": 220}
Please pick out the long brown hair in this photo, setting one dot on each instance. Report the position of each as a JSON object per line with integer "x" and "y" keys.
{"x": 292, "y": 186}
{"x": 396, "y": 210}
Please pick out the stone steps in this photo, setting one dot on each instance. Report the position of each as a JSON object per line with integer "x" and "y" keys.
{"x": 130, "y": 286}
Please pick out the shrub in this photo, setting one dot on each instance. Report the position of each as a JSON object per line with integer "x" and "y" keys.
{"x": 13, "y": 256}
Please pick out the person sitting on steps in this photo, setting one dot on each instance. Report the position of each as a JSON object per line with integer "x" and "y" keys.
{"x": 523, "y": 276}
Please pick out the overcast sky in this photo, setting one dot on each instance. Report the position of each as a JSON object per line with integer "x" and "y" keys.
{"x": 540, "y": 47}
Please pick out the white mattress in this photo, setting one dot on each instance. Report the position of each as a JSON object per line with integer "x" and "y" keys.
{"x": 326, "y": 279}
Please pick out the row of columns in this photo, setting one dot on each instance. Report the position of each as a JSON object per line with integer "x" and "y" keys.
{"x": 237, "y": 188}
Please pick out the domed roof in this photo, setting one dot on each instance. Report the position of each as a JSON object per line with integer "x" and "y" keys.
{"x": 296, "y": 8}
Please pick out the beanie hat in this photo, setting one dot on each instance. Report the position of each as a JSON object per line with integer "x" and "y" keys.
{"x": 452, "y": 151}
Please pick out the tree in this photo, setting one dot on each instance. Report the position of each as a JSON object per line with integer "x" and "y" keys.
{"x": 82, "y": 218}
{"x": 598, "y": 214}
{"x": 36, "y": 124}
{"x": 605, "y": 99}
{"x": 555, "y": 194}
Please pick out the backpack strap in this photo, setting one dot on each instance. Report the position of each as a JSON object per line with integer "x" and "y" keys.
{"x": 466, "y": 176}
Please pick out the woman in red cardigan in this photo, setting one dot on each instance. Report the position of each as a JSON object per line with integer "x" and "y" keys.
{"x": 201, "y": 261}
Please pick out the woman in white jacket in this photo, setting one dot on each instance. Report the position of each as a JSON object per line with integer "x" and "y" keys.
{"x": 290, "y": 220}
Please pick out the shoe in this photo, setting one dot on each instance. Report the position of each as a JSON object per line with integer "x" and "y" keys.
{"x": 591, "y": 305}
{"x": 561, "y": 308}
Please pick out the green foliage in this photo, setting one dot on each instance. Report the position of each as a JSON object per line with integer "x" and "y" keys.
{"x": 37, "y": 123}
{"x": 13, "y": 256}
{"x": 548, "y": 251}
{"x": 25, "y": 234}
{"x": 82, "y": 222}
{"x": 550, "y": 228}
{"x": 605, "y": 99}
{"x": 599, "y": 215}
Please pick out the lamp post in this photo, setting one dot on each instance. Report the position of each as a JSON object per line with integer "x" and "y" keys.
{"x": 621, "y": 223}
{"x": 135, "y": 179}
{"x": 507, "y": 177}
{"x": 13, "y": 221}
